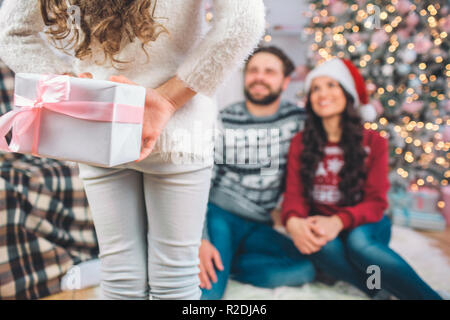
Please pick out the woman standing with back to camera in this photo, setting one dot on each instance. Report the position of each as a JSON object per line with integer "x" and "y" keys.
{"x": 148, "y": 214}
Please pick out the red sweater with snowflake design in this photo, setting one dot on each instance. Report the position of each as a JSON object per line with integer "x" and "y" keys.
{"x": 325, "y": 190}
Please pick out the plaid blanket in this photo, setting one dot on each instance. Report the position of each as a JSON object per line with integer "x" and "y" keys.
{"x": 45, "y": 222}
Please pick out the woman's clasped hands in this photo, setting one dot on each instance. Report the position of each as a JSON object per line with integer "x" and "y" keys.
{"x": 312, "y": 233}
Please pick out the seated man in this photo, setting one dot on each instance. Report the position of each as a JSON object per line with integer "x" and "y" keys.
{"x": 238, "y": 238}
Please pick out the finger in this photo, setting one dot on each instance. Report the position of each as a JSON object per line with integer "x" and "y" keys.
{"x": 210, "y": 270}
{"x": 316, "y": 248}
{"x": 121, "y": 79}
{"x": 313, "y": 239}
{"x": 204, "y": 283}
{"x": 300, "y": 246}
{"x": 145, "y": 152}
{"x": 317, "y": 229}
{"x": 305, "y": 250}
{"x": 309, "y": 247}
{"x": 218, "y": 260}
{"x": 87, "y": 75}
{"x": 204, "y": 280}
{"x": 200, "y": 275}
{"x": 147, "y": 148}
{"x": 318, "y": 241}
{"x": 301, "y": 249}
{"x": 316, "y": 226}
{"x": 117, "y": 79}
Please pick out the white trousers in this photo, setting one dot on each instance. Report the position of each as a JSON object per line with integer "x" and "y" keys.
{"x": 148, "y": 218}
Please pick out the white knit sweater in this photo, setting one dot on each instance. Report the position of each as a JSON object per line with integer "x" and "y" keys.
{"x": 202, "y": 61}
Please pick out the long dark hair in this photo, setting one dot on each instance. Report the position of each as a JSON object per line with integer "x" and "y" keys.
{"x": 352, "y": 174}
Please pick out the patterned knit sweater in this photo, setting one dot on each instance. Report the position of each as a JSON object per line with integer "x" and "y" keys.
{"x": 250, "y": 160}
{"x": 201, "y": 59}
{"x": 326, "y": 194}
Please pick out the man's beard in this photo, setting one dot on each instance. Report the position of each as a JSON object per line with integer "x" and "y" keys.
{"x": 270, "y": 98}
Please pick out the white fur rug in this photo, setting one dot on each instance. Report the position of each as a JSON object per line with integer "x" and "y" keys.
{"x": 427, "y": 260}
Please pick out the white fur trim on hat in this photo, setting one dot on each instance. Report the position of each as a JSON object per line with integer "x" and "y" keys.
{"x": 368, "y": 113}
{"x": 337, "y": 70}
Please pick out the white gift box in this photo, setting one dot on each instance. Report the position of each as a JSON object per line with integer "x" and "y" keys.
{"x": 424, "y": 200}
{"x": 101, "y": 132}
{"x": 418, "y": 220}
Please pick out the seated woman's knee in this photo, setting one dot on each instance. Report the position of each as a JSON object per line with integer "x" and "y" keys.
{"x": 358, "y": 239}
{"x": 332, "y": 247}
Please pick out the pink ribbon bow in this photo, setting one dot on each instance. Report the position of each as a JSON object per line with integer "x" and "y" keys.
{"x": 53, "y": 94}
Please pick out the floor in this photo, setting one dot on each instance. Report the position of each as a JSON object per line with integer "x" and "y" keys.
{"x": 443, "y": 240}
{"x": 443, "y": 243}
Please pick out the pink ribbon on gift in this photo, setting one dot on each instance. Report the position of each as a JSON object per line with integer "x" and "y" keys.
{"x": 53, "y": 94}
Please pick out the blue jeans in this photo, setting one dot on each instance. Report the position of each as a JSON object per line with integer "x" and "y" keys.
{"x": 253, "y": 253}
{"x": 348, "y": 256}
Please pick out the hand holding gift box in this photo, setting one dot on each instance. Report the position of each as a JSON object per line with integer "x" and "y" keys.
{"x": 83, "y": 120}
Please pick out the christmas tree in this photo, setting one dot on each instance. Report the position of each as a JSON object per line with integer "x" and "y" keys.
{"x": 401, "y": 48}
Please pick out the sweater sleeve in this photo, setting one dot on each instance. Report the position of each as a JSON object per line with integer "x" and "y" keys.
{"x": 374, "y": 202}
{"x": 294, "y": 203}
{"x": 21, "y": 47}
{"x": 238, "y": 27}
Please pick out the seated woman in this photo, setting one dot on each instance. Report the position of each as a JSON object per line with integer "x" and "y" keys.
{"x": 336, "y": 189}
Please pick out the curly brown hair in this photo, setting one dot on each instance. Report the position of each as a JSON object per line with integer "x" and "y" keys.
{"x": 110, "y": 22}
{"x": 353, "y": 173}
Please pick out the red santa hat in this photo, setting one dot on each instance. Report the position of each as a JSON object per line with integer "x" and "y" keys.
{"x": 348, "y": 75}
